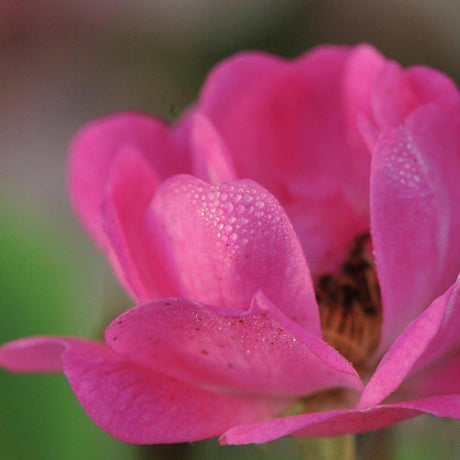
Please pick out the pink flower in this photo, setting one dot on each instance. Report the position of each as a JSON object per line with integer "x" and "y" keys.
{"x": 238, "y": 338}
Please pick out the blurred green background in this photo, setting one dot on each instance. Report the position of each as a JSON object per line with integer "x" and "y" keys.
{"x": 65, "y": 62}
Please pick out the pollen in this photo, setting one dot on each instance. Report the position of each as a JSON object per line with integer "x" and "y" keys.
{"x": 350, "y": 304}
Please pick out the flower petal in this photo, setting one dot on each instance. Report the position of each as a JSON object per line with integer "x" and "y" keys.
{"x": 441, "y": 377}
{"x": 339, "y": 422}
{"x": 302, "y": 144}
{"x": 258, "y": 352}
{"x": 36, "y": 354}
{"x": 212, "y": 161}
{"x": 223, "y": 243}
{"x": 96, "y": 146}
{"x": 129, "y": 191}
{"x": 361, "y": 74}
{"x": 415, "y": 216}
{"x": 399, "y": 92}
{"x": 133, "y": 404}
{"x": 430, "y": 336}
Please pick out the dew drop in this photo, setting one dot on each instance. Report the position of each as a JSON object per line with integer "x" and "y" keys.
{"x": 229, "y": 206}
{"x": 239, "y": 209}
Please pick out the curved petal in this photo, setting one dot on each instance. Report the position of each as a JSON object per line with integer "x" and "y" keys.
{"x": 433, "y": 334}
{"x": 442, "y": 377}
{"x": 399, "y": 92}
{"x": 295, "y": 110}
{"x": 258, "y": 352}
{"x": 37, "y": 354}
{"x": 302, "y": 144}
{"x": 133, "y": 404}
{"x": 339, "y": 422}
{"x": 212, "y": 161}
{"x": 415, "y": 216}
{"x": 223, "y": 243}
{"x": 361, "y": 75}
{"x": 96, "y": 146}
{"x": 129, "y": 191}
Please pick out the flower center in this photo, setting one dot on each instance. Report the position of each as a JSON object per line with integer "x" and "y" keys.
{"x": 350, "y": 304}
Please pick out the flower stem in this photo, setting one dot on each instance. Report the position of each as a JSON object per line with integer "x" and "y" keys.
{"x": 341, "y": 447}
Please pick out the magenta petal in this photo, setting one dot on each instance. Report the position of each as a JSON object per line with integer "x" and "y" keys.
{"x": 212, "y": 161}
{"x": 258, "y": 352}
{"x": 339, "y": 422}
{"x": 414, "y": 213}
{"x": 271, "y": 112}
{"x": 441, "y": 377}
{"x": 291, "y": 126}
{"x": 133, "y": 404}
{"x": 399, "y": 92}
{"x": 96, "y": 146}
{"x": 36, "y": 354}
{"x": 130, "y": 189}
{"x": 360, "y": 76}
{"x": 142, "y": 407}
{"x": 224, "y": 243}
{"x": 433, "y": 334}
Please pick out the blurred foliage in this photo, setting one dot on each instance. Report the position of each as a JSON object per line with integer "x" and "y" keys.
{"x": 42, "y": 286}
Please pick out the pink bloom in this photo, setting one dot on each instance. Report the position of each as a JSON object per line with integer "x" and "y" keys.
{"x": 339, "y": 142}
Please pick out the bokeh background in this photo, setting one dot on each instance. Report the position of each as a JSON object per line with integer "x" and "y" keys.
{"x": 63, "y": 63}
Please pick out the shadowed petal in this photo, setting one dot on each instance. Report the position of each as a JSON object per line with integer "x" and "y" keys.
{"x": 339, "y": 422}
{"x": 441, "y": 377}
{"x": 433, "y": 334}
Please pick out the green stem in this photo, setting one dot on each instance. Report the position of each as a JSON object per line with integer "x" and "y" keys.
{"x": 341, "y": 447}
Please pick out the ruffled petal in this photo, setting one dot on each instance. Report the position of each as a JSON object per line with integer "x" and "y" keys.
{"x": 223, "y": 243}
{"x": 339, "y": 422}
{"x": 258, "y": 352}
{"x": 97, "y": 145}
{"x": 415, "y": 216}
{"x": 433, "y": 334}
{"x": 133, "y": 404}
